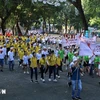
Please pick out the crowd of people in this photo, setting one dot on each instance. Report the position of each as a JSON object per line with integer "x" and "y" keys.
{"x": 44, "y": 54}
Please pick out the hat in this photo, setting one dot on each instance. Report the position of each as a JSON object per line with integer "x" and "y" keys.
{"x": 49, "y": 47}
{"x": 11, "y": 48}
{"x": 44, "y": 47}
{"x": 4, "y": 44}
{"x": 76, "y": 52}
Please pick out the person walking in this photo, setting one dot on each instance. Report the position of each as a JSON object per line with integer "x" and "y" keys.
{"x": 11, "y": 59}
{"x": 33, "y": 66}
{"x": 52, "y": 67}
{"x": 42, "y": 63}
{"x": 1, "y": 60}
{"x": 25, "y": 63}
{"x": 76, "y": 80}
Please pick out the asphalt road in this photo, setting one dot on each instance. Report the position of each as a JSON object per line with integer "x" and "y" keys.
{"x": 19, "y": 87}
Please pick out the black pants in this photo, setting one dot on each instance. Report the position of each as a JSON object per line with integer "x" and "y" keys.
{"x": 91, "y": 69}
{"x": 46, "y": 70}
{"x": 31, "y": 70}
{"x": 42, "y": 69}
{"x": 57, "y": 70}
{"x": 21, "y": 61}
{"x": 52, "y": 69}
{"x": 60, "y": 68}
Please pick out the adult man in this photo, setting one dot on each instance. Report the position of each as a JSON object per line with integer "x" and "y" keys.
{"x": 5, "y": 53}
{"x": 76, "y": 81}
{"x": 44, "y": 51}
{"x": 11, "y": 59}
{"x": 1, "y": 60}
{"x": 61, "y": 53}
{"x": 91, "y": 63}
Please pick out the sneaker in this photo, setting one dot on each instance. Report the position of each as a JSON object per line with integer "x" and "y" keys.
{"x": 31, "y": 80}
{"x": 69, "y": 84}
{"x": 27, "y": 72}
{"x": 1, "y": 70}
{"x": 49, "y": 79}
{"x": 78, "y": 98}
{"x": 74, "y": 98}
{"x": 36, "y": 81}
{"x": 24, "y": 72}
{"x": 43, "y": 80}
{"x": 99, "y": 82}
{"x": 58, "y": 76}
{"x": 55, "y": 80}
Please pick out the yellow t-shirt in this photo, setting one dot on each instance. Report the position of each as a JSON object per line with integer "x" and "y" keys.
{"x": 33, "y": 62}
{"x": 21, "y": 54}
{"x": 52, "y": 60}
{"x": 58, "y": 60}
{"x": 37, "y": 49}
{"x": 42, "y": 61}
{"x": 48, "y": 60}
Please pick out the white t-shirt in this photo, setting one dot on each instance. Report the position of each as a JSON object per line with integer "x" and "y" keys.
{"x": 11, "y": 56}
{"x": 74, "y": 57}
{"x": 71, "y": 64}
{"x": 44, "y": 52}
{"x": 2, "y": 55}
{"x": 91, "y": 60}
{"x": 56, "y": 53}
{"x": 30, "y": 56}
{"x": 38, "y": 56}
{"x": 25, "y": 59}
{"x": 4, "y": 51}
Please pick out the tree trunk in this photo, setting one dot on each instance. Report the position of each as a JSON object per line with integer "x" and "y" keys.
{"x": 78, "y": 5}
{"x": 49, "y": 24}
{"x": 19, "y": 30}
{"x": 44, "y": 24}
{"x": 3, "y": 27}
{"x": 66, "y": 20}
{"x": 83, "y": 18}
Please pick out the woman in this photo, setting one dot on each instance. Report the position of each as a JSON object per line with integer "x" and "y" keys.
{"x": 52, "y": 67}
{"x": 33, "y": 66}
{"x": 42, "y": 63}
{"x": 59, "y": 62}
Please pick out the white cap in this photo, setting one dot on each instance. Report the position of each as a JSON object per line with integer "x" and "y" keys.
{"x": 4, "y": 44}
{"x": 49, "y": 47}
{"x": 44, "y": 47}
{"x": 11, "y": 48}
{"x": 76, "y": 52}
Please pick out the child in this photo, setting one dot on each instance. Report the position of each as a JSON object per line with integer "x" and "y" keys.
{"x": 25, "y": 63}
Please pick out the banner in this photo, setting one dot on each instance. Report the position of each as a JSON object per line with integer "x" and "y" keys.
{"x": 89, "y": 49}
{"x": 69, "y": 42}
{"x": 77, "y": 40}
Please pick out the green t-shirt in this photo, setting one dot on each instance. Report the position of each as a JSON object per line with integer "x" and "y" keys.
{"x": 86, "y": 58}
{"x": 70, "y": 56}
{"x": 96, "y": 60}
{"x": 61, "y": 53}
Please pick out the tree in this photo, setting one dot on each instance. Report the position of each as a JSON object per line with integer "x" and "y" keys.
{"x": 6, "y": 8}
{"x": 78, "y": 5}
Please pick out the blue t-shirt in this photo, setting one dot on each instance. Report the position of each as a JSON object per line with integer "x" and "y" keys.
{"x": 75, "y": 73}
